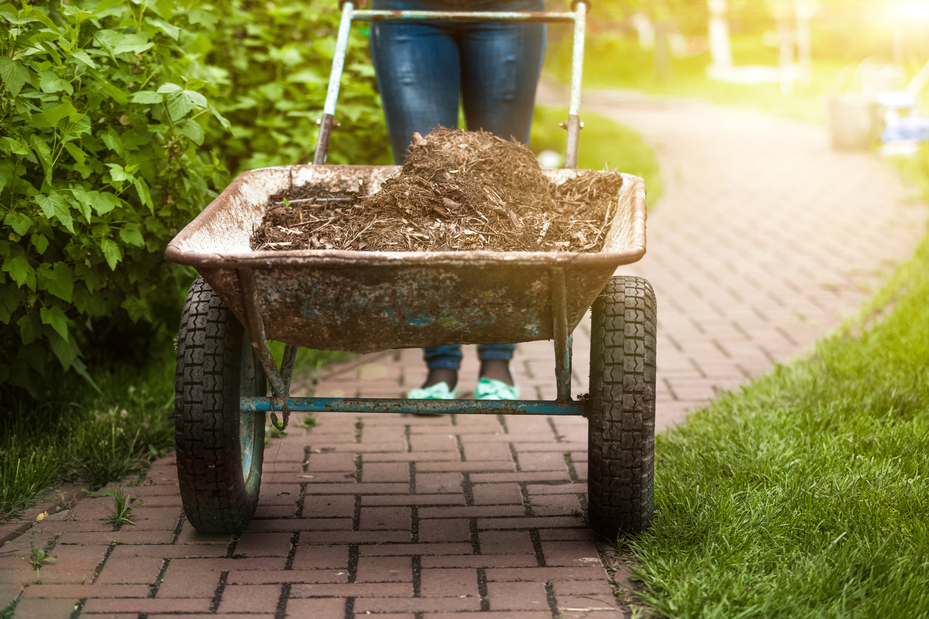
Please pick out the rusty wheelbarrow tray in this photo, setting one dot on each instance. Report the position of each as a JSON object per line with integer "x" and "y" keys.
{"x": 371, "y": 301}
{"x": 366, "y": 302}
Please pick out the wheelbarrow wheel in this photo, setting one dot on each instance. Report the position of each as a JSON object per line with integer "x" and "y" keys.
{"x": 219, "y": 446}
{"x": 621, "y": 434}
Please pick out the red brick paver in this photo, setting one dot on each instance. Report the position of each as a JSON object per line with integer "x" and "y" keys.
{"x": 764, "y": 240}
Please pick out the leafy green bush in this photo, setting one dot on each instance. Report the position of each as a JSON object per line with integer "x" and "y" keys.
{"x": 271, "y": 64}
{"x": 110, "y": 146}
{"x": 99, "y": 130}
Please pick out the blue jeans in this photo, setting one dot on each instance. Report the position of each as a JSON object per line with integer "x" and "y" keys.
{"x": 425, "y": 68}
{"x": 449, "y": 356}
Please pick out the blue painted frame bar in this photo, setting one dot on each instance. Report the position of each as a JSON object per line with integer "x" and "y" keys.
{"x": 388, "y": 405}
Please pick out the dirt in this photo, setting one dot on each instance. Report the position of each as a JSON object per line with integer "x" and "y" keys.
{"x": 457, "y": 190}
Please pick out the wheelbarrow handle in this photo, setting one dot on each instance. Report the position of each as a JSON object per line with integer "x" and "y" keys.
{"x": 335, "y": 76}
{"x": 578, "y": 16}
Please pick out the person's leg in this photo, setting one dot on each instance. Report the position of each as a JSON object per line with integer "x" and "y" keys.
{"x": 495, "y": 362}
{"x": 500, "y": 68}
{"x": 417, "y": 69}
{"x": 418, "y": 75}
{"x": 443, "y": 363}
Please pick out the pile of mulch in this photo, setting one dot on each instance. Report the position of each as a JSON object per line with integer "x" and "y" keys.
{"x": 457, "y": 190}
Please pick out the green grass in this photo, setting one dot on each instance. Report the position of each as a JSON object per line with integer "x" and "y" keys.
{"x": 75, "y": 434}
{"x": 120, "y": 512}
{"x": 602, "y": 144}
{"x": 806, "y": 494}
{"x": 613, "y": 61}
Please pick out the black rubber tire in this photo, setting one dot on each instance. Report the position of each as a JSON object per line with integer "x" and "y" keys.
{"x": 219, "y": 447}
{"x": 621, "y": 409}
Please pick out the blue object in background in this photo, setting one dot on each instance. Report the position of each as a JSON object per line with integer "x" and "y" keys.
{"x": 906, "y": 128}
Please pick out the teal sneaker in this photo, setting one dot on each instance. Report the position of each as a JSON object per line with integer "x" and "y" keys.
{"x": 438, "y": 391}
{"x": 491, "y": 389}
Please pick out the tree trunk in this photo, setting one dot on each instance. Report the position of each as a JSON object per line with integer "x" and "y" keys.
{"x": 720, "y": 50}
{"x": 662, "y": 51}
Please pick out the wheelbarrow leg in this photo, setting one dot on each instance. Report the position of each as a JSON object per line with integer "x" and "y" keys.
{"x": 280, "y": 380}
{"x": 562, "y": 338}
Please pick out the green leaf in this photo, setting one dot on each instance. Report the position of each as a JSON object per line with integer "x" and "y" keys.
{"x": 118, "y": 173}
{"x": 309, "y": 75}
{"x": 40, "y": 17}
{"x": 168, "y": 29}
{"x": 84, "y": 58}
{"x": 14, "y": 147}
{"x": 147, "y": 96}
{"x": 83, "y": 197}
{"x": 195, "y": 98}
{"x": 145, "y": 196}
{"x": 14, "y": 75}
{"x": 75, "y": 152}
{"x": 165, "y": 8}
{"x": 124, "y": 43}
{"x": 117, "y": 94}
{"x": 205, "y": 18}
{"x": 102, "y": 82}
{"x": 34, "y": 355}
{"x": 62, "y": 286}
{"x": 54, "y": 205}
{"x": 65, "y": 349}
{"x": 169, "y": 88}
{"x": 11, "y": 298}
{"x": 104, "y": 5}
{"x": 137, "y": 308}
{"x": 78, "y": 366}
{"x": 51, "y": 116}
{"x": 101, "y": 202}
{"x": 130, "y": 234}
{"x": 55, "y": 317}
{"x": 114, "y": 142}
{"x": 75, "y": 15}
{"x": 222, "y": 119}
{"x": 50, "y": 82}
{"x": 83, "y": 208}
{"x": 105, "y": 202}
{"x": 40, "y": 241}
{"x": 20, "y": 270}
{"x": 20, "y": 222}
{"x": 178, "y": 105}
{"x": 28, "y": 328}
{"x": 44, "y": 153}
{"x": 192, "y": 130}
{"x": 7, "y": 173}
{"x": 45, "y": 203}
{"x": 111, "y": 252}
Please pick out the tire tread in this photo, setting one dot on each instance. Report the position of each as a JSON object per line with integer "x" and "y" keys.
{"x": 621, "y": 436}
{"x": 213, "y": 490}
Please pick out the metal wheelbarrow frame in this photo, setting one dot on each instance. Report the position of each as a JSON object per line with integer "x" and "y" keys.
{"x": 370, "y": 301}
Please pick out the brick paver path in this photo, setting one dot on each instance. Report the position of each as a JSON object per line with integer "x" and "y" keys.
{"x": 763, "y": 241}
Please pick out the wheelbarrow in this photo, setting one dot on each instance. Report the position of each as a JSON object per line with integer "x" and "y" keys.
{"x": 365, "y": 302}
